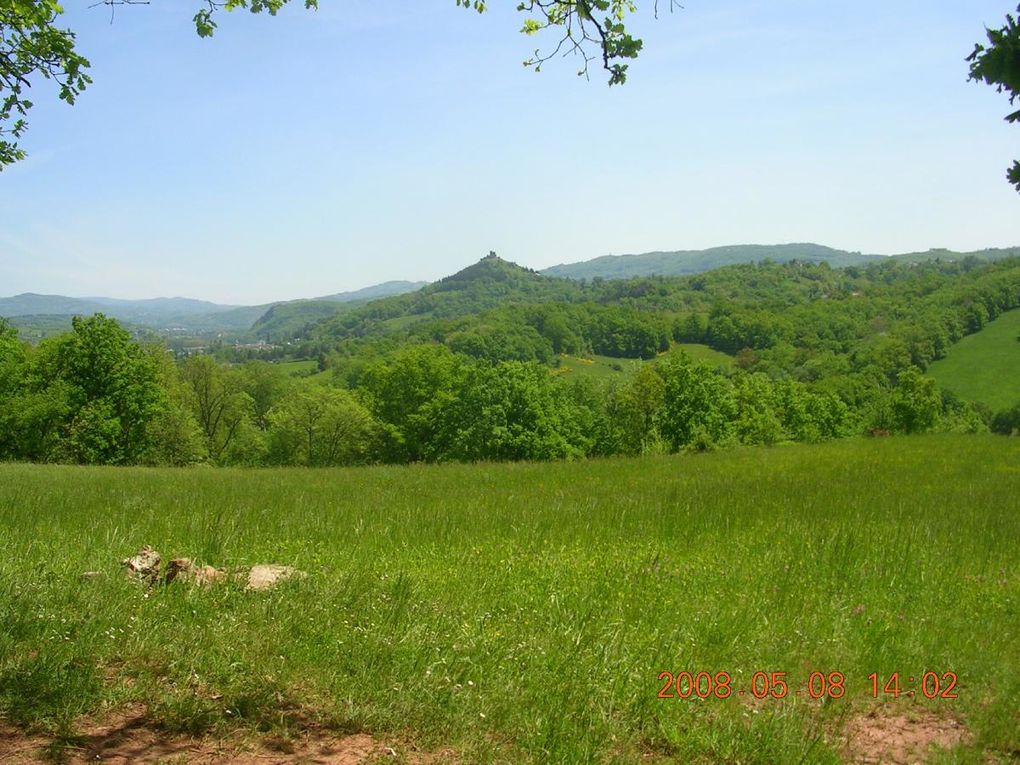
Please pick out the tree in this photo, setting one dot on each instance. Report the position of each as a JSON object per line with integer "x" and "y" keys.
{"x": 998, "y": 64}
{"x": 635, "y": 406}
{"x": 1007, "y": 422}
{"x": 916, "y": 403}
{"x": 698, "y": 406}
{"x": 757, "y": 419}
{"x": 221, "y": 406}
{"x": 510, "y": 411}
{"x": 31, "y": 410}
{"x": 322, "y": 426}
{"x": 409, "y": 392}
{"x": 32, "y": 45}
{"x": 175, "y": 438}
{"x": 265, "y": 383}
{"x": 12, "y": 356}
{"x": 582, "y": 24}
{"x": 112, "y": 391}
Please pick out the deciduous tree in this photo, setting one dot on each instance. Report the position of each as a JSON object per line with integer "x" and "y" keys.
{"x": 112, "y": 391}
{"x": 322, "y": 426}
{"x": 221, "y": 406}
{"x": 998, "y": 64}
{"x": 33, "y": 45}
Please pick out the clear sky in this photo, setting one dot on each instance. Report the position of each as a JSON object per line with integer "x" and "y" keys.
{"x": 402, "y": 139}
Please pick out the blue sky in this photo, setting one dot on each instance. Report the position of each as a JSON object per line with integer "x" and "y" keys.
{"x": 402, "y": 139}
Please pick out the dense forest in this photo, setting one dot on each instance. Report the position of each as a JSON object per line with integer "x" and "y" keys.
{"x": 469, "y": 368}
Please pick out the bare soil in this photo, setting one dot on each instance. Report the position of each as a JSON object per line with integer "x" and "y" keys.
{"x": 130, "y": 738}
{"x": 887, "y": 735}
{"x": 900, "y": 737}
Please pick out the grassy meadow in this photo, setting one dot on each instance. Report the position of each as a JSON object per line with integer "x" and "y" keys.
{"x": 523, "y": 612}
{"x": 299, "y": 368}
{"x": 985, "y": 366}
{"x": 607, "y": 366}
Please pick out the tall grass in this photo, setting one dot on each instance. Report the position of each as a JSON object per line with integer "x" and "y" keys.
{"x": 524, "y": 612}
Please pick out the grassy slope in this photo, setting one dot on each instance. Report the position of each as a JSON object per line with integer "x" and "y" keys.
{"x": 523, "y": 612}
{"x": 607, "y": 366}
{"x": 286, "y": 320}
{"x": 985, "y": 366}
{"x": 596, "y": 366}
{"x": 299, "y": 368}
{"x": 700, "y": 352}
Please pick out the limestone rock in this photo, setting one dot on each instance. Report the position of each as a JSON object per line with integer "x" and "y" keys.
{"x": 265, "y": 576}
{"x": 143, "y": 565}
{"x": 185, "y": 570}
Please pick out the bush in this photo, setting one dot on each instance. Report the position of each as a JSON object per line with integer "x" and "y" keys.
{"x": 1007, "y": 422}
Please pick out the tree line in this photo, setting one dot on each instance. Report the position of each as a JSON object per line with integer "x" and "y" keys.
{"x": 467, "y": 369}
{"x": 96, "y": 396}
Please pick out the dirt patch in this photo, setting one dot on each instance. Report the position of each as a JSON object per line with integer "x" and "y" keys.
{"x": 900, "y": 737}
{"x": 130, "y": 738}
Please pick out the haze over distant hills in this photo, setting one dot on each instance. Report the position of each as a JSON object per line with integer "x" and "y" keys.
{"x": 178, "y": 312}
{"x": 686, "y": 262}
{"x": 281, "y": 318}
{"x": 29, "y": 304}
{"x": 377, "y": 290}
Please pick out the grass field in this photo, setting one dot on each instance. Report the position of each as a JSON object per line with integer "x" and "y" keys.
{"x": 302, "y": 367}
{"x": 700, "y": 352}
{"x": 522, "y": 613}
{"x": 985, "y": 366}
{"x": 607, "y": 366}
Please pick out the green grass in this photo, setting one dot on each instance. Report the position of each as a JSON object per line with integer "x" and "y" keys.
{"x": 609, "y": 367}
{"x": 523, "y": 612}
{"x": 302, "y": 367}
{"x": 306, "y": 368}
{"x": 405, "y": 321}
{"x": 700, "y": 352}
{"x": 985, "y": 366}
{"x": 600, "y": 367}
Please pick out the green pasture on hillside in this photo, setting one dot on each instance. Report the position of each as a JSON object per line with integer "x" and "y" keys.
{"x": 301, "y": 367}
{"x": 985, "y": 366}
{"x": 701, "y": 352}
{"x": 608, "y": 366}
{"x": 523, "y": 613}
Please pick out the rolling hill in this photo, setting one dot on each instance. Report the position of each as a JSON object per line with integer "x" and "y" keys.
{"x": 985, "y": 367}
{"x": 481, "y": 286}
{"x": 283, "y": 321}
{"x": 45, "y": 312}
{"x": 686, "y": 262}
{"x": 375, "y": 291}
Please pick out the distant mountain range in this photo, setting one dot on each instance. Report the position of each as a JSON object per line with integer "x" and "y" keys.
{"x": 181, "y": 313}
{"x": 276, "y": 320}
{"x": 686, "y": 262}
{"x": 31, "y": 304}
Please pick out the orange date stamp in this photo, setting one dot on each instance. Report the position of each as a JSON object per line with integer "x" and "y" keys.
{"x": 818, "y": 685}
